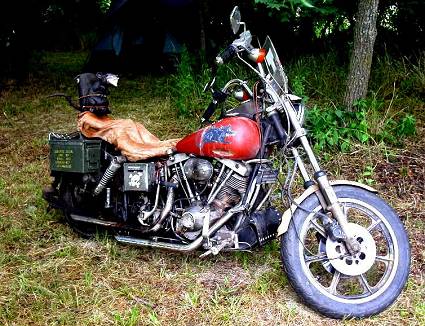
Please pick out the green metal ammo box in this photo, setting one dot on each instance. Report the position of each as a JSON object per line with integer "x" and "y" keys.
{"x": 74, "y": 153}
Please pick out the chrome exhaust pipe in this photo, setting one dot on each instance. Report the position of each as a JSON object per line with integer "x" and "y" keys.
{"x": 163, "y": 245}
{"x": 96, "y": 221}
{"x": 167, "y": 207}
{"x": 180, "y": 247}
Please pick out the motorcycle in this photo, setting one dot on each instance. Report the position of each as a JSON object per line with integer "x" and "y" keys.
{"x": 344, "y": 249}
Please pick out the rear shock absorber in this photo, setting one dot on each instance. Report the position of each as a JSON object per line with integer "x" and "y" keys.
{"x": 116, "y": 163}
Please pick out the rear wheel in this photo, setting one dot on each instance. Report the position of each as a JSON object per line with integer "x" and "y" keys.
{"x": 331, "y": 280}
{"x": 77, "y": 205}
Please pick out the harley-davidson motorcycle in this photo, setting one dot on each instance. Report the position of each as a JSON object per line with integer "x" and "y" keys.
{"x": 344, "y": 249}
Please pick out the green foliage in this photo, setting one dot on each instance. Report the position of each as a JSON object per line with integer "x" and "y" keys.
{"x": 317, "y": 79}
{"x": 404, "y": 75}
{"x": 367, "y": 175}
{"x": 187, "y": 85}
{"x": 400, "y": 26}
{"x": 317, "y": 76}
{"x": 104, "y": 5}
{"x": 334, "y": 128}
{"x": 131, "y": 318}
{"x": 292, "y": 9}
{"x": 298, "y": 87}
{"x": 407, "y": 126}
{"x": 193, "y": 73}
{"x": 290, "y": 4}
{"x": 385, "y": 116}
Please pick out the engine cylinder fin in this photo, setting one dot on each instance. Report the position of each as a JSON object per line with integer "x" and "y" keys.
{"x": 237, "y": 182}
{"x": 181, "y": 179}
{"x": 230, "y": 193}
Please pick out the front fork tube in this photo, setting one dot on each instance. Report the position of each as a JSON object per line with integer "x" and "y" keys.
{"x": 330, "y": 199}
{"x": 331, "y": 203}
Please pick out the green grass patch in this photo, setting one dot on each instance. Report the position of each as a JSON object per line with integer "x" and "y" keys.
{"x": 50, "y": 276}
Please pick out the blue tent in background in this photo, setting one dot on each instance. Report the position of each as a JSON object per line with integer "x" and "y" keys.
{"x": 111, "y": 41}
{"x": 139, "y": 35}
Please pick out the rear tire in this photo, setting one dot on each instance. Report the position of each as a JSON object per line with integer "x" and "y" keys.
{"x": 74, "y": 206}
{"x": 324, "y": 284}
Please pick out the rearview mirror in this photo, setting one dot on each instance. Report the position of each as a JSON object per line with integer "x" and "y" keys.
{"x": 235, "y": 19}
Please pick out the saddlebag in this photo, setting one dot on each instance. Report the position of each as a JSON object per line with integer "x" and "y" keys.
{"x": 74, "y": 153}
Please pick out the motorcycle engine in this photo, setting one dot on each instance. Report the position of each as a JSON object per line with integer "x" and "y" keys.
{"x": 191, "y": 221}
{"x": 198, "y": 169}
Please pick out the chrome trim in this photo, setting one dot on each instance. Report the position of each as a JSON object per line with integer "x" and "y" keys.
{"x": 254, "y": 196}
{"x": 264, "y": 199}
{"x": 87, "y": 219}
{"x": 212, "y": 197}
{"x": 258, "y": 160}
{"x": 237, "y": 82}
{"x": 181, "y": 247}
{"x": 142, "y": 216}
{"x": 237, "y": 166}
{"x": 167, "y": 208}
{"x": 251, "y": 192}
{"x": 177, "y": 158}
{"x": 217, "y": 180}
{"x": 189, "y": 189}
{"x": 300, "y": 164}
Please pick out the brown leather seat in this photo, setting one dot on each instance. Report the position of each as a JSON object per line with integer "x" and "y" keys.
{"x": 130, "y": 137}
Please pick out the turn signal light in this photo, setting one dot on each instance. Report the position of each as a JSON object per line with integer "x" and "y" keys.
{"x": 261, "y": 55}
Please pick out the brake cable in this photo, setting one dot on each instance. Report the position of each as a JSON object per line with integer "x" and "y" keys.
{"x": 287, "y": 189}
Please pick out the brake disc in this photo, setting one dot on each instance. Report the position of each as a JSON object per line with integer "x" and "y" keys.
{"x": 352, "y": 265}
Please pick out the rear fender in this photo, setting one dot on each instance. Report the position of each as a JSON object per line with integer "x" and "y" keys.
{"x": 287, "y": 215}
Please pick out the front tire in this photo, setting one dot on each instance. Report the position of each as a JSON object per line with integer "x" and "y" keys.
{"x": 327, "y": 277}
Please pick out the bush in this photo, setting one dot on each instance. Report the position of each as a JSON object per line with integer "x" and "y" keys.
{"x": 336, "y": 129}
{"x": 386, "y": 115}
{"x": 383, "y": 117}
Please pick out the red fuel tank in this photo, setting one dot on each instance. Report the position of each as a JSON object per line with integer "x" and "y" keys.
{"x": 235, "y": 138}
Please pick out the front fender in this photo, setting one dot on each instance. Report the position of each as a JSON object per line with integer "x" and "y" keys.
{"x": 287, "y": 215}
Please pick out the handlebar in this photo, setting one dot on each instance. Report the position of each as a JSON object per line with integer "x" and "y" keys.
{"x": 240, "y": 44}
{"x": 227, "y": 54}
{"x": 209, "y": 111}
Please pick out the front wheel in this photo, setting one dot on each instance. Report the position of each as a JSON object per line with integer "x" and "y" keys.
{"x": 331, "y": 280}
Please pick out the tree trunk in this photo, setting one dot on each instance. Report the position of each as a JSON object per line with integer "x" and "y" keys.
{"x": 202, "y": 12}
{"x": 361, "y": 57}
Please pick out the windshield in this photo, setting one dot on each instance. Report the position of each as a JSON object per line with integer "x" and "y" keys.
{"x": 275, "y": 73}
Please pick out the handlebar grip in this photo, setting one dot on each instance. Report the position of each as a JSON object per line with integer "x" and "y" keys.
{"x": 227, "y": 54}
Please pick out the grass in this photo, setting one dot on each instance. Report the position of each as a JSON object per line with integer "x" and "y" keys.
{"x": 50, "y": 276}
